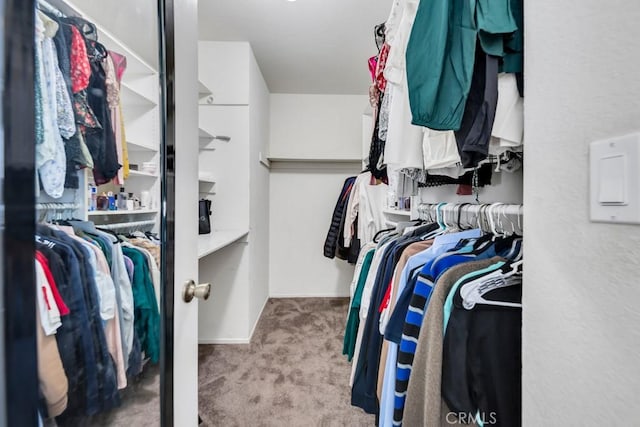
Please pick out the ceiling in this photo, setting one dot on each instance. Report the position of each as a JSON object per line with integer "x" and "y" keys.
{"x": 305, "y": 46}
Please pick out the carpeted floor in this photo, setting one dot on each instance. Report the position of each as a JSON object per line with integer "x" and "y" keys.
{"x": 292, "y": 374}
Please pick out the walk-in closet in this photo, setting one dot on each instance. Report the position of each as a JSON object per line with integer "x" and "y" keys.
{"x": 319, "y": 213}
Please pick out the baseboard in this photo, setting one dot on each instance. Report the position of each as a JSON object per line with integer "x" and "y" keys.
{"x": 236, "y": 340}
{"x": 308, "y": 296}
{"x": 225, "y": 341}
{"x": 255, "y": 324}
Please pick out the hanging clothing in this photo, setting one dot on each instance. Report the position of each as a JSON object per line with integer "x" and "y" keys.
{"x": 353, "y": 321}
{"x": 331, "y": 240}
{"x": 411, "y": 278}
{"x": 92, "y": 380}
{"x": 147, "y": 317}
{"x": 51, "y": 160}
{"x": 441, "y": 52}
{"x": 423, "y": 393}
{"x": 476, "y": 378}
{"x": 474, "y": 135}
{"x": 51, "y": 376}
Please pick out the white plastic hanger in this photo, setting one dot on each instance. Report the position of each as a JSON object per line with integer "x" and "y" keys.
{"x": 472, "y": 293}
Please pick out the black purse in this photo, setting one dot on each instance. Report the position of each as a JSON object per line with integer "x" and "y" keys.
{"x": 204, "y": 216}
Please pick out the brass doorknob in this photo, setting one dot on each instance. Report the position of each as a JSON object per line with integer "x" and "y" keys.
{"x": 191, "y": 291}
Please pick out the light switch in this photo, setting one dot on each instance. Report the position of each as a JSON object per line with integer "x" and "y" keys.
{"x": 615, "y": 180}
{"x": 613, "y": 172}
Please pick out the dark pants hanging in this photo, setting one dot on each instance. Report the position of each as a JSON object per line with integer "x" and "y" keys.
{"x": 474, "y": 135}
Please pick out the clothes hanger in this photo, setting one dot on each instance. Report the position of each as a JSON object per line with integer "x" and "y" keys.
{"x": 379, "y": 35}
{"x": 435, "y": 232}
{"x": 460, "y": 209}
{"x": 472, "y": 293}
{"x": 379, "y": 233}
{"x": 439, "y": 215}
{"x": 491, "y": 218}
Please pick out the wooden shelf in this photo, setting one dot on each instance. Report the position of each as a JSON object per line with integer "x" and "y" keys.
{"x": 135, "y": 212}
{"x": 218, "y": 239}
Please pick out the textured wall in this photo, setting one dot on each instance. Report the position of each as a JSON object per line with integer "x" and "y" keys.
{"x": 581, "y": 325}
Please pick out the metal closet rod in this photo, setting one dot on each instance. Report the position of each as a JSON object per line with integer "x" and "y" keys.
{"x": 57, "y": 206}
{"x": 489, "y": 217}
{"x": 486, "y": 208}
{"x": 50, "y": 8}
{"x": 127, "y": 225}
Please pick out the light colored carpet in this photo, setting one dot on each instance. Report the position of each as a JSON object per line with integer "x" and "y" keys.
{"x": 292, "y": 374}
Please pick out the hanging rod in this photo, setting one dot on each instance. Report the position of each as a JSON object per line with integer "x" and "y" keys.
{"x": 43, "y": 4}
{"x": 494, "y": 217}
{"x": 57, "y": 206}
{"x": 127, "y": 225}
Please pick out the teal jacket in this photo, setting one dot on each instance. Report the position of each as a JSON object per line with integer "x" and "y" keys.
{"x": 441, "y": 51}
{"x": 147, "y": 317}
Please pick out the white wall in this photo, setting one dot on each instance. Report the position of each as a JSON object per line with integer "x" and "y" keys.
{"x": 505, "y": 188}
{"x": 259, "y": 193}
{"x": 316, "y": 126}
{"x": 581, "y": 324}
{"x": 303, "y": 196}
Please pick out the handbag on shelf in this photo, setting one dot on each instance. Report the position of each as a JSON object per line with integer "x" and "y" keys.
{"x": 204, "y": 216}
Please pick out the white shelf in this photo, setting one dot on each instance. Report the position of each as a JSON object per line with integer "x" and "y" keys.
{"x": 218, "y": 239}
{"x": 314, "y": 160}
{"x": 138, "y": 146}
{"x": 203, "y": 177}
{"x": 135, "y": 212}
{"x": 397, "y": 212}
{"x": 203, "y": 90}
{"x": 135, "y": 64}
{"x": 206, "y": 143}
{"x": 130, "y": 96}
{"x": 205, "y": 134}
{"x": 133, "y": 173}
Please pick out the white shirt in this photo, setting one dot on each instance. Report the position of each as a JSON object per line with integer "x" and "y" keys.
{"x": 371, "y": 219}
{"x": 353, "y": 206}
{"x": 508, "y": 126}
{"x": 440, "y": 149}
{"x": 49, "y": 313}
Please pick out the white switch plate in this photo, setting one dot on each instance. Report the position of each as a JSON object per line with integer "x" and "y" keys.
{"x": 615, "y": 180}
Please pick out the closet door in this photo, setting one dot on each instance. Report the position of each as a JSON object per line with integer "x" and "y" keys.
{"x": 65, "y": 357}
{"x": 182, "y": 141}
{"x": 18, "y": 362}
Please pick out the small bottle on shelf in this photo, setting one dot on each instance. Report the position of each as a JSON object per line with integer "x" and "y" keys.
{"x": 130, "y": 203}
{"x": 122, "y": 200}
{"x": 93, "y": 203}
{"x": 112, "y": 201}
